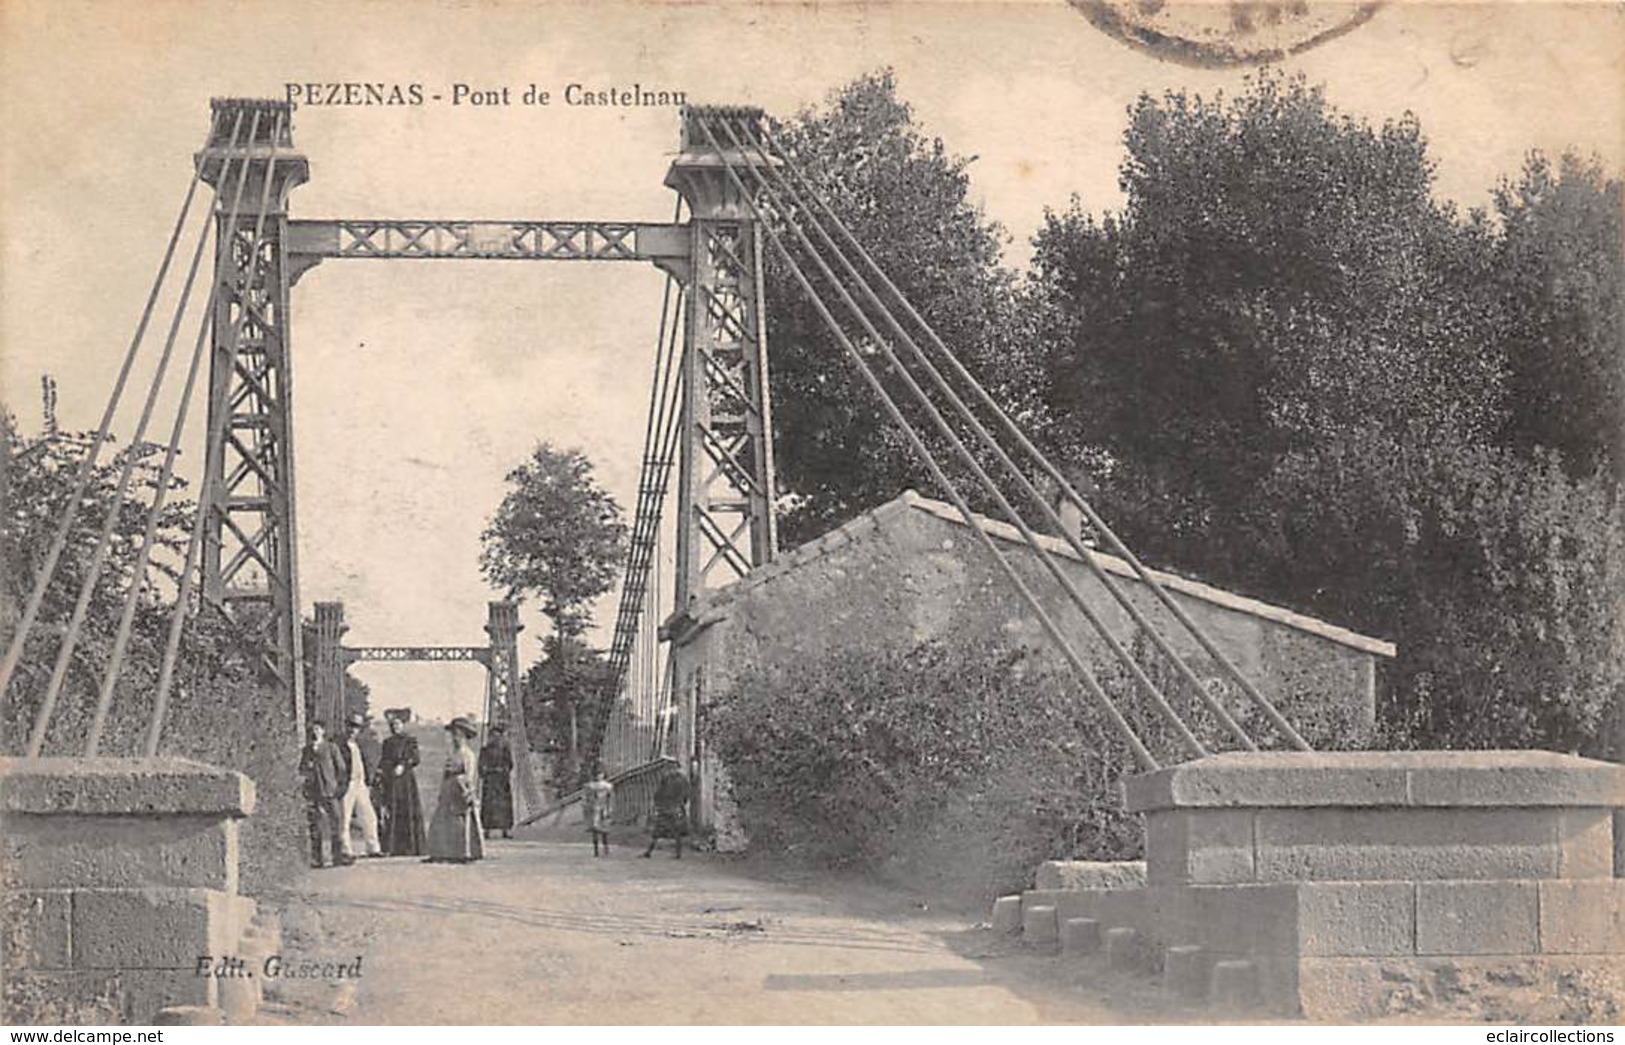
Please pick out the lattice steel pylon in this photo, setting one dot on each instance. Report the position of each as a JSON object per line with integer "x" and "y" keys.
{"x": 250, "y": 569}
{"x": 725, "y": 489}
{"x": 726, "y": 485}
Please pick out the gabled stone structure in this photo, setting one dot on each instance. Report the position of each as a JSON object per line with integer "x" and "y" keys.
{"x": 910, "y": 571}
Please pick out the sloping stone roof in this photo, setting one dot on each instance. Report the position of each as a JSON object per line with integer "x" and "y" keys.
{"x": 711, "y": 606}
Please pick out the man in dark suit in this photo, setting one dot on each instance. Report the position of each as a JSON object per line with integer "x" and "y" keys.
{"x": 325, "y": 777}
{"x": 359, "y": 752}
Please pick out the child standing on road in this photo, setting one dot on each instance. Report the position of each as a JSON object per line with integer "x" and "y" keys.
{"x": 597, "y": 796}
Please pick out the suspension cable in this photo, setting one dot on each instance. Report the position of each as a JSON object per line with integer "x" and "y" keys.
{"x": 70, "y": 637}
{"x": 647, "y": 520}
{"x": 651, "y": 490}
{"x": 1117, "y": 546}
{"x": 115, "y": 660}
{"x": 59, "y": 540}
{"x": 1168, "y": 714}
{"x": 215, "y": 436}
{"x": 1192, "y": 745}
{"x": 1141, "y": 754}
{"x": 986, "y": 438}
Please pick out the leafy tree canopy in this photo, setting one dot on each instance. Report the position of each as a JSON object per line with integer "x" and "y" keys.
{"x": 557, "y": 535}
{"x": 1310, "y": 380}
{"x": 906, "y": 198}
{"x": 1561, "y": 276}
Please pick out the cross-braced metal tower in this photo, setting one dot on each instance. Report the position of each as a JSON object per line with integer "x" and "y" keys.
{"x": 250, "y": 550}
{"x": 725, "y": 487}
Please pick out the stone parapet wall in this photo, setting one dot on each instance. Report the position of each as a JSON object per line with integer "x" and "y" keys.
{"x": 1346, "y": 880}
{"x": 116, "y": 876}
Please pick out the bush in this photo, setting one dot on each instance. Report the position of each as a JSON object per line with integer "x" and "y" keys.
{"x": 222, "y": 711}
{"x": 962, "y": 765}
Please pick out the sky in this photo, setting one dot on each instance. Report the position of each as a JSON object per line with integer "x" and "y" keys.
{"x": 418, "y": 385}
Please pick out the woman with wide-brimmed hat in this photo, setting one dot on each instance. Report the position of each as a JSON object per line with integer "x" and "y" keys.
{"x": 454, "y": 832}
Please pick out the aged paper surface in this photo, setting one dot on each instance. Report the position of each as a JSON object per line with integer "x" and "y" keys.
{"x": 420, "y": 384}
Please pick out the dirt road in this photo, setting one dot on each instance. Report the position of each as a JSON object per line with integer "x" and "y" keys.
{"x": 541, "y": 932}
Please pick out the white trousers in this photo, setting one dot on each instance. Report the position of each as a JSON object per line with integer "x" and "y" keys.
{"x": 357, "y": 800}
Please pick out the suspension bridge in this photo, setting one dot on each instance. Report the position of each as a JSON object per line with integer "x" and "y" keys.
{"x": 1254, "y": 858}
{"x": 741, "y": 205}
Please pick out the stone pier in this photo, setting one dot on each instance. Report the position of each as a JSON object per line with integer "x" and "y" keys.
{"x": 1355, "y": 884}
{"x": 117, "y": 876}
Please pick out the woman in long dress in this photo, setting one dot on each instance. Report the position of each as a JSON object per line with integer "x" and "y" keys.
{"x": 454, "y": 833}
{"x": 398, "y": 804}
{"x": 496, "y": 783}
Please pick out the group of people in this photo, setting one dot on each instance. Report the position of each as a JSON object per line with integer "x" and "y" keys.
{"x": 359, "y": 779}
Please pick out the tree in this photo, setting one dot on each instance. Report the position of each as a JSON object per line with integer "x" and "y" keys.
{"x": 39, "y": 477}
{"x": 1279, "y": 272}
{"x": 557, "y": 535}
{"x": 1561, "y": 273}
{"x": 218, "y": 699}
{"x": 1307, "y": 380}
{"x": 906, "y": 198}
{"x": 565, "y": 688}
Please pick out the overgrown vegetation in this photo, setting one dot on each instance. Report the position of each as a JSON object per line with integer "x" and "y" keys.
{"x": 218, "y": 711}
{"x": 965, "y": 763}
{"x": 1286, "y": 367}
{"x": 1314, "y": 382}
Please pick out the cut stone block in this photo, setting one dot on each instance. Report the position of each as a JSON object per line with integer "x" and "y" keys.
{"x": 154, "y": 928}
{"x": 1585, "y": 843}
{"x": 1582, "y": 917}
{"x": 1356, "y": 918}
{"x": 1451, "y": 779}
{"x": 121, "y": 787}
{"x": 1007, "y": 914}
{"x": 1206, "y": 846}
{"x": 1080, "y": 936}
{"x": 1038, "y": 924}
{"x": 1232, "y": 920}
{"x": 1186, "y": 970}
{"x": 1406, "y": 844}
{"x": 1233, "y": 985}
{"x": 1091, "y": 874}
{"x": 110, "y": 852}
{"x": 38, "y": 929}
{"x": 1468, "y": 918}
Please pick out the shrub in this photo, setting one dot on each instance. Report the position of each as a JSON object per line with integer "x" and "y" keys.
{"x": 967, "y": 764}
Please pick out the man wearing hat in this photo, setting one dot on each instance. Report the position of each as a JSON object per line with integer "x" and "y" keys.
{"x": 360, "y": 754}
{"x": 323, "y": 770}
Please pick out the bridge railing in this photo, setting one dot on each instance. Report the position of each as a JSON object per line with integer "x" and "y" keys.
{"x": 634, "y": 796}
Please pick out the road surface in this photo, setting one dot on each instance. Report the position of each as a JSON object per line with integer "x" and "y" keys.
{"x": 542, "y": 932}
